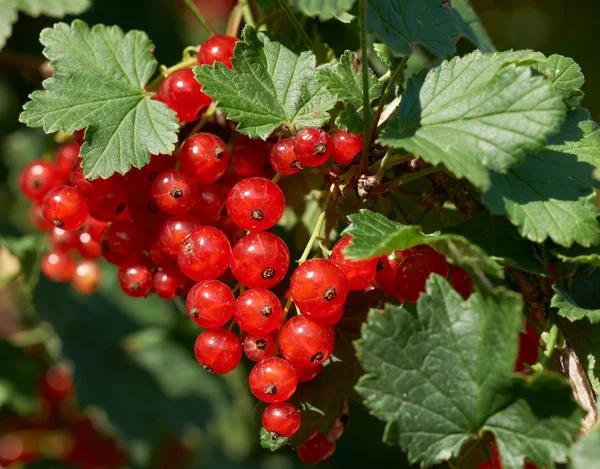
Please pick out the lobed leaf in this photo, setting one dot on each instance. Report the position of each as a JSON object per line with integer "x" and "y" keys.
{"x": 580, "y": 299}
{"x": 585, "y": 453}
{"x": 470, "y": 25}
{"x": 324, "y": 9}
{"x": 565, "y": 76}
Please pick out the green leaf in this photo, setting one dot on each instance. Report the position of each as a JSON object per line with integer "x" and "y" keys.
{"x": 54, "y": 8}
{"x": 19, "y": 379}
{"x": 268, "y": 442}
{"x": 585, "y": 453}
{"x": 270, "y": 86}
{"x": 350, "y": 120}
{"x": 99, "y": 80}
{"x": 402, "y": 24}
{"x": 580, "y": 255}
{"x": 579, "y": 300}
{"x": 29, "y": 250}
{"x": 584, "y": 337}
{"x": 375, "y": 235}
{"x": 470, "y": 25}
{"x": 324, "y": 9}
{"x": 476, "y": 113}
{"x": 565, "y": 76}
{"x": 550, "y": 194}
{"x": 443, "y": 375}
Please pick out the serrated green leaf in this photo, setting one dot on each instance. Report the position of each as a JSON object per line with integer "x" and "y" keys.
{"x": 324, "y": 9}
{"x": 375, "y": 235}
{"x": 99, "y": 80}
{"x": 402, "y": 24}
{"x": 443, "y": 375}
{"x": 550, "y": 194}
{"x": 268, "y": 442}
{"x": 54, "y": 8}
{"x": 585, "y": 453}
{"x": 565, "y": 76}
{"x": 579, "y": 300}
{"x": 476, "y": 113}
{"x": 470, "y": 25}
{"x": 19, "y": 379}
{"x": 270, "y": 86}
{"x": 350, "y": 120}
{"x": 580, "y": 255}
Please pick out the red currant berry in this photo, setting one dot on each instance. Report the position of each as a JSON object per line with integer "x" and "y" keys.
{"x": 487, "y": 465}
{"x": 317, "y": 448}
{"x": 283, "y": 157}
{"x": 218, "y": 351}
{"x": 90, "y": 187}
{"x": 108, "y": 206}
{"x": 174, "y": 192}
{"x": 210, "y": 304}
{"x": 205, "y": 254}
{"x": 146, "y": 175}
{"x": 255, "y": 204}
{"x": 169, "y": 283}
{"x": 259, "y": 347}
{"x": 249, "y": 157}
{"x": 260, "y": 260}
{"x": 304, "y": 343}
{"x": 308, "y": 374}
{"x": 87, "y": 277}
{"x": 204, "y": 157}
{"x": 79, "y": 136}
{"x": 174, "y": 231}
{"x": 281, "y": 419}
{"x": 330, "y": 320}
{"x": 36, "y": 179}
{"x": 66, "y": 207}
{"x": 386, "y": 274}
{"x": 122, "y": 242}
{"x": 181, "y": 92}
{"x": 258, "y": 311}
{"x": 87, "y": 247}
{"x": 359, "y": 274}
{"x": 413, "y": 272}
{"x": 144, "y": 211}
{"x": 158, "y": 256}
{"x": 233, "y": 232}
{"x": 95, "y": 228}
{"x": 58, "y": 266}
{"x": 273, "y": 380}
{"x": 528, "y": 352}
{"x": 135, "y": 280}
{"x": 65, "y": 155}
{"x": 210, "y": 201}
{"x": 319, "y": 286}
{"x": 62, "y": 240}
{"x": 312, "y": 147}
{"x": 218, "y": 48}
{"x": 345, "y": 146}
{"x": 461, "y": 281}
{"x": 37, "y": 219}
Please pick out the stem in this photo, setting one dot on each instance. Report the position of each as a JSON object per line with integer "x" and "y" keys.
{"x": 190, "y": 6}
{"x": 317, "y": 230}
{"x": 276, "y": 178}
{"x": 383, "y": 165}
{"x": 405, "y": 178}
{"x": 154, "y": 84}
{"x": 386, "y": 92}
{"x": 233, "y": 24}
{"x": 550, "y": 346}
{"x": 247, "y": 13}
{"x": 420, "y": 217}
{"x": 364, "y": 159}
{"x": 290, "y": 14}
{"x": 393, "y": 160}
{"x": 205, "y": 118}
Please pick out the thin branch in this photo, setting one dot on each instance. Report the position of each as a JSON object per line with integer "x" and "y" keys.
{"x": 290, "y": 14}
{"x": 190, "y": 6}
{"x": 386, "y": 93}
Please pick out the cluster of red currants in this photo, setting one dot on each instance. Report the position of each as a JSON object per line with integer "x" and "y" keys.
{"x": 494, "y": 462}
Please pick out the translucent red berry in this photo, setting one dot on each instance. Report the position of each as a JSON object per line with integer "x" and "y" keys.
{"x": 283, "y": 158}
{"x": 386, "y": 274}
{"x": 87, "y": 247}
{"x": 108, "y": 206}
{"x": 36, "y": 179}
{"x": 330, "y": 320}
{"x": 273, "y": 380}
{"x": 66, "y": 207}
{"x": 147, "y": 174}
{"x": 174, "y": 192}
{"x": 135, "y": 280}
{"x": 144, "y": 211}
{"x": 37, "y": 219}
{"x": 122, "y": 242}
{"x": 58, "y": 266}
{"x": 255, "y": 204}
{"x": 487, "y": 465}
{"x": 249, "y": 157}
{"x": 204, "y": 157}
{"x": 304, "y": 343}
{"x": 210, "y": 304}
{"x": 218, "y": 351}
{"x": 205, "y": 254}
{"x": 359, "y": 274}
{"x": 413, "y": 272}
{"x": 175, "y": 230}
{"x": 317, "y": 448}
{"x": 169, "y": 283}
{"x": 62, "y": 240}
{"x": 258, "y": 311}
{"x": 64, "y": 157}
{"x": 90, "y": 187}
{"x": 260, "y": 260}
{"x": 87, "y": 277}
{"x": 218, "y": 48}
{"x": 461, "y": 281}
{"x": 210, "y": 202}
{"x": 528, "y": 352}
{"x": 95, "y": 228}
{"x": 319, "y": 286}
{"x": 281, "y": 419}
{"x": 312, "y": 146}
{"x": 308, "y": 374}
{"x": 259, "y": 347}
{"x": 158, "y": 256}
{"x": 345, "y": 146}
{"x": 183, "y": 94}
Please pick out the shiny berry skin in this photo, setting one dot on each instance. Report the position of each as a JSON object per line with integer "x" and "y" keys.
{"x": 79, "y": 135}
{"x": 135, "y": 280}
{"x": 282, "y": 419}
{"x": 259, "y": 347}
{"x": 413, "y": 272}
{"x": 87, "y": 277}
{"x": 147, "y": 174}
{"x": 158, "y": 256}
{"x": 87, "y": 247}
{"x": 144, "y": 211}
{"x": 174, "y": 192}
{"x": 37, "y": 219}
{"x": 205, "y": 254}
{"x": 319, "y": 286}
{"x": 359, "y": 274}
{"x": 260, "y": 260}
{"x": 181, "y": 92}
{"x": 36, "y": 179}
{"x": 218, "y": 351}
{"x": 108, "y": 206}
{"x": 312, "y": 146}
{"x": 273, "y": 380}
{"x": 122, "y": 242}
{"x": 169, "y": 283}
{"x": 304, "y": 343}
{"x": 317, "y": 448}
{"x": 255, "y": 204}
{"x": 218, "y": 48}
{"x": 249, "y": 157}
{"x": 283, "y": 158}
{"x": 210, "y": 304}
{"x": 58, "y": 266}
{"x": 210, "y": 202}
{"x": 258, "y": 311}
{"x": 330, "y": 320}
{"x": 386, "y": 274}
{"x": 66, "y": 207}
{"x": 204, "y": 157}
{"x": 174, "y": 231}
{"x": 461, "y": 281}
{"x": 307, "y": 374}
{"x": 95, "y": 228}
{"x": 528, "y": 352}
{"x": 62, "y": 240}
{"x": 345, "y": 146}
{"x": 64, "y": 157}
{"x": 90, "y": 187}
